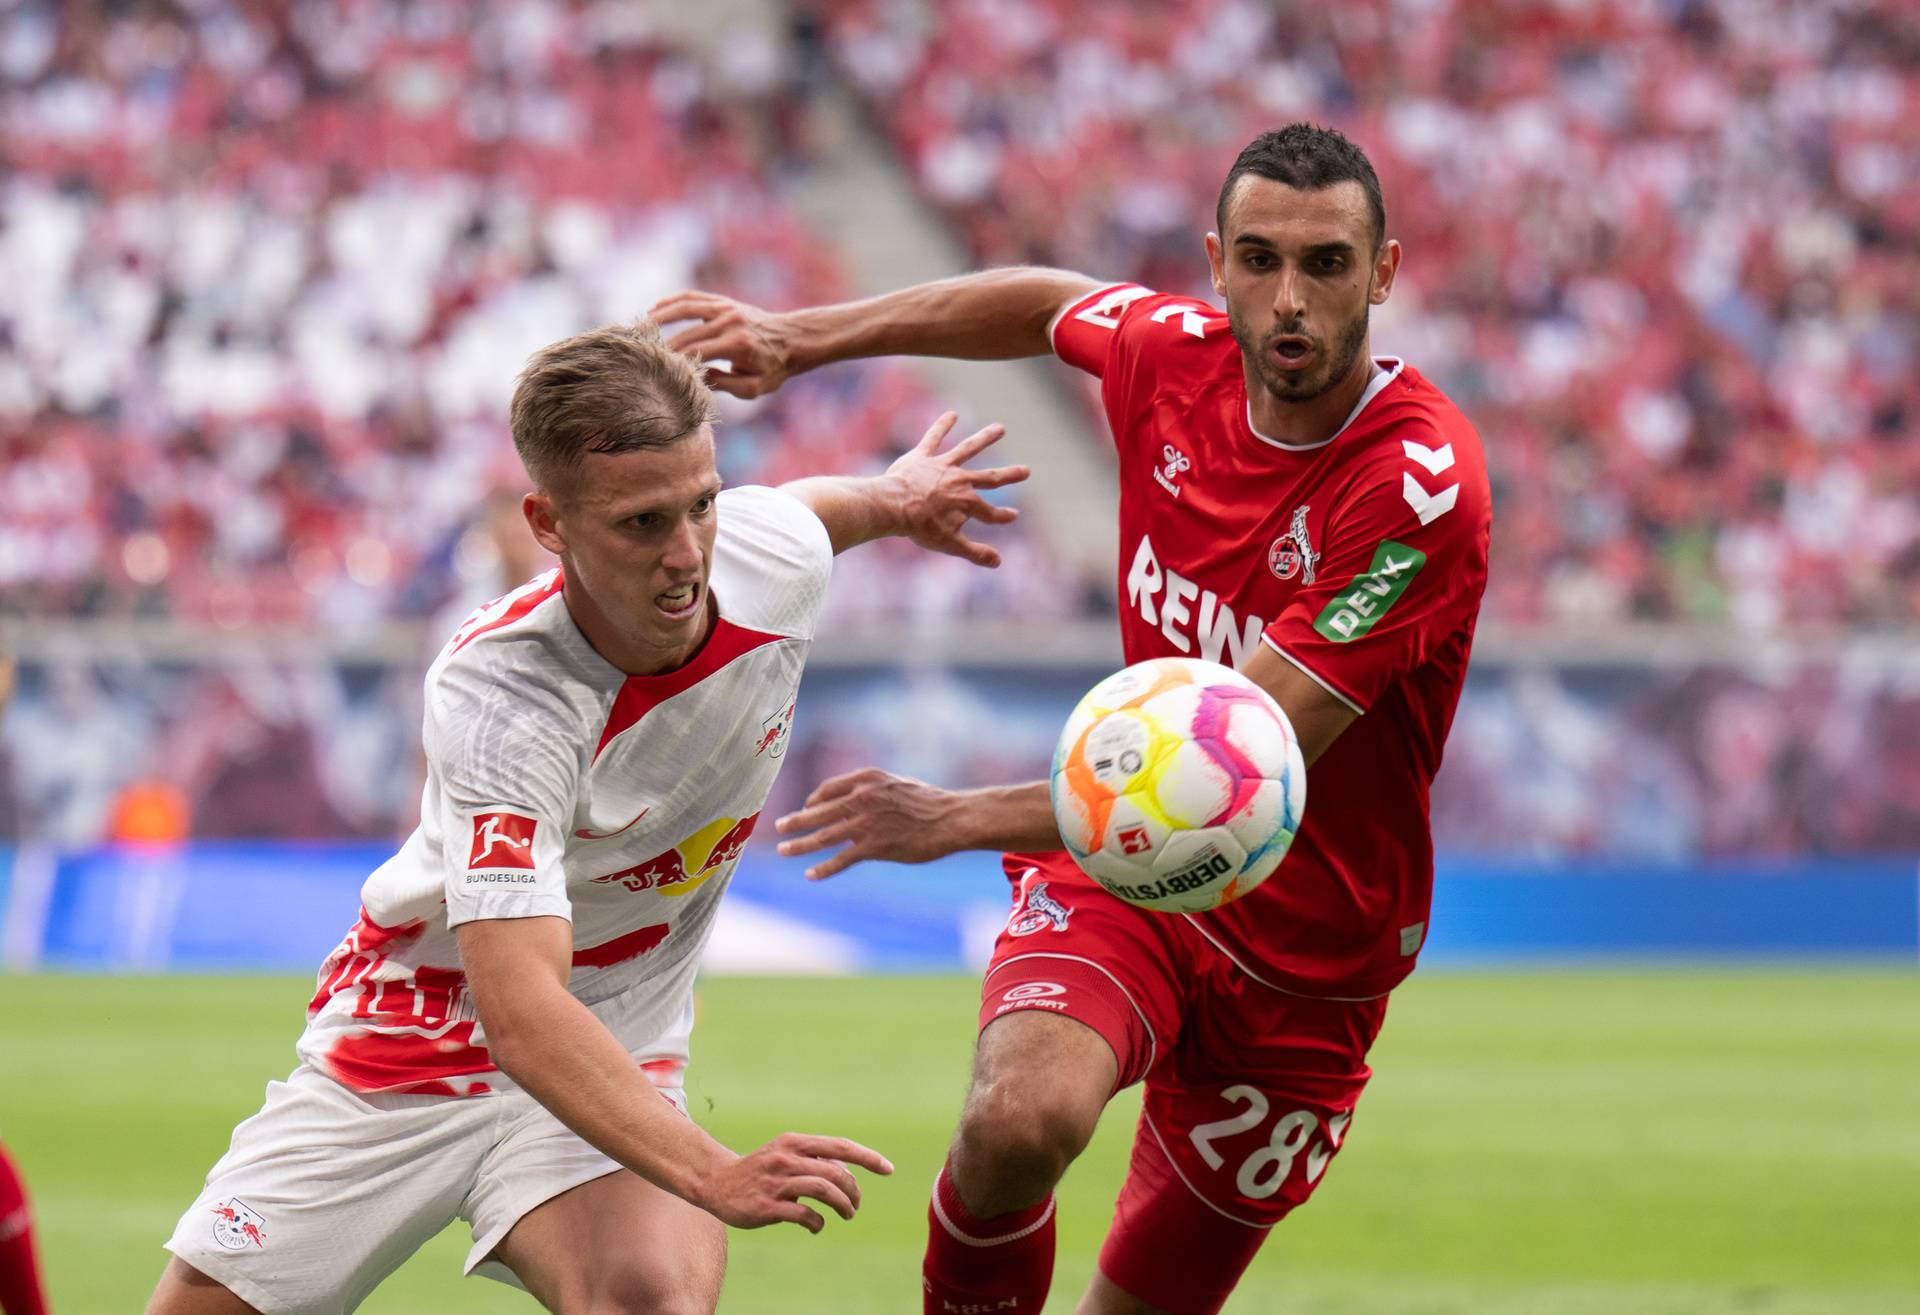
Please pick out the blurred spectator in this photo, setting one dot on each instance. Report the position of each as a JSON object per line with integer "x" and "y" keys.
{"x": 1664, "y": 254}
{"x": 268, "y": 272}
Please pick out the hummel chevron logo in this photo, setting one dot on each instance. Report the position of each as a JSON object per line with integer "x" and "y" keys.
{"x": 1435, "y": 459}
{"x": 1429, "y": 507}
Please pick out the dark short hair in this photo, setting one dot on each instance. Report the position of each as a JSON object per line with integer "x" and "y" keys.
{"x": 1308, "y": 158}
{"x": 615, "y": 389}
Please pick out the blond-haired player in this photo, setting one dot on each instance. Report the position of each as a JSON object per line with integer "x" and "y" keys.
{"x": 502, "y": 1036}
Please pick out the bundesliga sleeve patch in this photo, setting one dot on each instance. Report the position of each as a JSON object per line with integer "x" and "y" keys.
{"x": 1355, "y": 610}
{"x": 502, "y": 840}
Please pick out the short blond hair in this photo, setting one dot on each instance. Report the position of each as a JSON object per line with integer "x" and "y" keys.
{"x": 613, "y": 389}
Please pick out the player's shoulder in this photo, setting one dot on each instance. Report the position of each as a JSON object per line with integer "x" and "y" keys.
{"x": 1180, "y": 335}
{"x": 1411, "y": 428}
{"x": 521, "y": 655}
{"x": 771, "y": 559}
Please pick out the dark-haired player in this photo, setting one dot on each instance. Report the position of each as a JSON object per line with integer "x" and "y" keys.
{"x": 1290, "y": 505}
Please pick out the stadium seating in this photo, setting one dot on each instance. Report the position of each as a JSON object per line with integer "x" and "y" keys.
{"x": 1662, "y": 254}
{"x": 271, "y": 273}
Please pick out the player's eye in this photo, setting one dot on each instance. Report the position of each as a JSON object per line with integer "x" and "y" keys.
{"x": 1330, "y": 264}
{"x": 646, "y": 520}
{"x": 703, "y": 506}
{"x": 1259, "y": 260}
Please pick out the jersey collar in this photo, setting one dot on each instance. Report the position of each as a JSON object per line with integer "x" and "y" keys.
{"x": 1385, "y": 370}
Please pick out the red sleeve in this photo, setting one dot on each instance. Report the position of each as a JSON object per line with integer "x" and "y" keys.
{"x": 1403, "y": 568}
{"x": 1131, "y": 338}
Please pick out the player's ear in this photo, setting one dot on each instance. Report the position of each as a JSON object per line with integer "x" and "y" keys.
{"x": 542, "y": 519}
{"x": 1217, "y": 264}
{"x": 1386, "y": 263}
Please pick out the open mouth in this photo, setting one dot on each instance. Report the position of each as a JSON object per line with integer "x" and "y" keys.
{"x": 1292, "y": 352}
{"x": 679, "y": 603}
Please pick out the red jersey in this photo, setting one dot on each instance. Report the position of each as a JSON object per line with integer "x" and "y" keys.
{"x": 1361, "y": 560}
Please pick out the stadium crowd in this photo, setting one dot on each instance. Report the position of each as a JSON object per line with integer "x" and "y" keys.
{"x": 1662, "y": 253}
{"x": 267, "y": 272}
{"x": 270, "y": 272}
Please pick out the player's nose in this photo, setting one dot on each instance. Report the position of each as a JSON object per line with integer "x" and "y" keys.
{"x": 1288, "y": 305}
{"x": 683, "y": 551}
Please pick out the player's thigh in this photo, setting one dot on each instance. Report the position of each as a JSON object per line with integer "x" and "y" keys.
{"x": 1070, "y": 950}
{"x": 615, "y": 1245}
{"x": 184, "y": 1290}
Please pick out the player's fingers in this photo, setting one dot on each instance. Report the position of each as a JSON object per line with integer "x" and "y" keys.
{"x": 793, "y": 1212}
{"x": 833, "y": 787}
{"x": 975, "y": 443}
{"x": 937, "y": 433}
{"x": 839, "y": 1148}
{"x": 816, "y": 1188}
{"x": 977, "y": 553}
{"x": 835, "y": 864}
{"x": 841, "y": 1177}
{"x": 707, "y": 338}
{"x": 998, "y": 477}
{"x": 690, "y": 304}
{"x": 992, "y": 514}
{"x": 812, "y": 816}
{"x": 814, "y": 841}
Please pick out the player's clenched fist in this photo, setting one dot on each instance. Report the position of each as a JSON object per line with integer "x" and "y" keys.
{"x": 756, "y": 345}
{"x": 767, "y": 1186}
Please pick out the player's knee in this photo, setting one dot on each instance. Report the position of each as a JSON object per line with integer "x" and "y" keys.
{"x": 1016, "y": 1140}
{"x": 648, "y": 1295}
{"x": 630, "y": 1287}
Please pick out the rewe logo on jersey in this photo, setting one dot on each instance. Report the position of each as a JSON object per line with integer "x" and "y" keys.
{"x": 502, "y": 840}
{"x": 687, "y": 865}
{"x": 1186, "y": 613}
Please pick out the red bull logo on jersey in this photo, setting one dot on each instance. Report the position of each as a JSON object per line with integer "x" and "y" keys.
{"x": 501, "y": 840}
{"x": 682, "y": 869}
{"x": 236, "y": 1226}
{"x": 775, "y": 730}
{"x": 1188, "y": 615}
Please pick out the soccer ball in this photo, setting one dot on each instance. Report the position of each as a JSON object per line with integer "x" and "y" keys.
{"x": 1178, "y": 784}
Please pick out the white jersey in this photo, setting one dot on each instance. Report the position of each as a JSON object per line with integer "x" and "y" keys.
{"x": 559, "y": 785}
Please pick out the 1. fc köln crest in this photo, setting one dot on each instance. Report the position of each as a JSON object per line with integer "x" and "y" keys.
{"x": 1292, "y": 553}
{"x": 236, "y": 1226}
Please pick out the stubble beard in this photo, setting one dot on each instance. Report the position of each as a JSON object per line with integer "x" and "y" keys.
{"x": 1347, "y": 347}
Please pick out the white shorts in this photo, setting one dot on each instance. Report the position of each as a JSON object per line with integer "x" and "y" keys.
{"x": 327, "y": 1190}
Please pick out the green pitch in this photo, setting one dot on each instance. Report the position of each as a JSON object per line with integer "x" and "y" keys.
{"x": 1622, "y": 1143}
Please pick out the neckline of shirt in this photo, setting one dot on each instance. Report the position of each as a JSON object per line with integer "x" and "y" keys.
{"x": 1375, "y": 386}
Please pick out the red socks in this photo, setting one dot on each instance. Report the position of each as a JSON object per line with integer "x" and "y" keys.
{"x": 20, "y": 1290}
{"x": 997, "y": 1266}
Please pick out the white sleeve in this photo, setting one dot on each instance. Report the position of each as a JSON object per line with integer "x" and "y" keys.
{"x": 504, "y": 776}
{"x": 776, "y": 546}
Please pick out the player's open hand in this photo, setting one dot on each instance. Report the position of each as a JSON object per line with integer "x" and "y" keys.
{"x": 748, "y": 351}
{"x": 876, "y": 815}
{"x": 768, "y": 1186}
{"x": 938, "y": 494}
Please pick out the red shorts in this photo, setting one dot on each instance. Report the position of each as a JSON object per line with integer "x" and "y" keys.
{"x": 1249, "y": 1090}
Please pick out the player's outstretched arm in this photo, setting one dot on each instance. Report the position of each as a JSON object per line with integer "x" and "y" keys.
{"x": 552, "y": 1045}
{"x": 877, "y": 815}
{"x": 994, "y": 315}
{"x": 927, "y": 496}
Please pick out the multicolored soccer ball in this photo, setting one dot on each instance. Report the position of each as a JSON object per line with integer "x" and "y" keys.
{"x": 1178, "y": 784}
